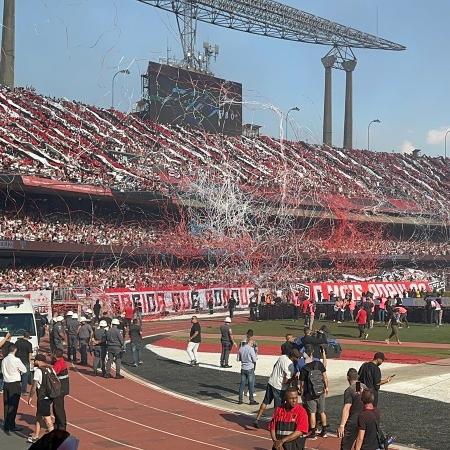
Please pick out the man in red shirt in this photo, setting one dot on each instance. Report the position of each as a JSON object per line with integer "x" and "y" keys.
{"x": 361, "y": 320}
{"x": 129, "y": 314}
{"x": 289, "y": 425}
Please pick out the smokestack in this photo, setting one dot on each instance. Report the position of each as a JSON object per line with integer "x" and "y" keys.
{"x": 8, "y": 43}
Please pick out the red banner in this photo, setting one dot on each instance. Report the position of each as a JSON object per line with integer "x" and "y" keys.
{"x": 175, "y": 299}
{"x": 47, "y": 183}
{"x": 377, "y": 288}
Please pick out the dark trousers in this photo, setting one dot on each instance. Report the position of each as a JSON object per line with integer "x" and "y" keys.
{"x": 225, "y": 355}
{"x": 362, "y": 330}
{"x": 394, "y": 332}
{"x": 114, "y": 354}
{"x": 99, "y": 358}
{"x": 60, "y": 413}
{"x": 83, "y": 352}
{"x": 231, "y": 313}
{"x": 11, "y": 398}
{"x": 72, "y": 347}
{"x": 350, "y": 434}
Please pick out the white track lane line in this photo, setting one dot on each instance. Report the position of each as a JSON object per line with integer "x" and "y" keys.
{"x": 88, "y": 431}
{"x": 172, "y": 413}
{"x": 186, "y": 398}
{"x": 146, "y": 426}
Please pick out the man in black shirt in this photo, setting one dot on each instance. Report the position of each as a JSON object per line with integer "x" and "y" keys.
{"x": 195, "y": 337}
{"x": 348, "y": 428}
{"x": 287, "y": 346}
{"x": 370, "y": 374}
{"x": 24, "y": 352}
{"x": 313, "y": 402}
{"x": 136, "y": 341}
{"x": 368, "y": 422}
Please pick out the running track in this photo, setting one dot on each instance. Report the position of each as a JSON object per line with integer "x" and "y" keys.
{"x": 113, "y": 414}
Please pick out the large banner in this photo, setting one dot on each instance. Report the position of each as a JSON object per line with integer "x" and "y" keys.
{"x": 377, "y": 288}
{"x": 41, "y": 300}
{"x": 175, "y": 299}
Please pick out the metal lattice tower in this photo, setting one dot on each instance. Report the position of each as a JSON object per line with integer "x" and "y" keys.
{"x": 273, "y": 19}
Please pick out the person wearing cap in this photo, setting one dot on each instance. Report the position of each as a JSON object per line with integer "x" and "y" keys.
{"x": 226, "y": 339}
{"x": 99, "y": 343}
{"x": 282, "y": 374}
{"x": 57, "y": 334}
{"x": 84, "y": 338}
{"x": 115, "y": 342}
{"x": 370, "y": 375}
{"x": 43, "y": 413}
{"x": 71, "y": 332}
{"x": 89, "y": 315}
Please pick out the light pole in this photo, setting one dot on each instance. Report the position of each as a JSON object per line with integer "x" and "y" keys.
{"x": 445, "y": 143}
{"x": 368, "y": 131}
{"x": 295, "y": 108}
{"x": 126, "y": 72}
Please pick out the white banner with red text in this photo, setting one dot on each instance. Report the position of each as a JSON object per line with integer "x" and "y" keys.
{"x": 377, "y": 288}
{"x": 177, "y": 299}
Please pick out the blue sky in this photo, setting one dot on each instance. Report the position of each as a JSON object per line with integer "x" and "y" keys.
{"x": 71, "y": 48}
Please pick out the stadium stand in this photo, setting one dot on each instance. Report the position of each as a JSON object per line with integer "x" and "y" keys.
{"x": 72, "y": 142}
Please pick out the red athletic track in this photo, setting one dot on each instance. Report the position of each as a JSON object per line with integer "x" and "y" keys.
{"x": 121, "y": 414}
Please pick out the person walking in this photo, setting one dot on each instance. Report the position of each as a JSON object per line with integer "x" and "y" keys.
{"x": 250, "y": 336}
{"x": 43, "y": 401}
{"x": 84, "y": 339}
{"x": 195, "y": 338}
{"x": 135, "y": 333}
{"x": 361, "y": 320}
{"x": 247, "y": 357}
{"x": 282, "y": 374}
{"x": 62, "y": 372}
{"x": 97, "y": 309}
{"x": 114, "y": 340}
{"x": 370, "y": 374}
{"x": 394, "y": 323}
{"x": 12, "y": 370}
{"x": 226, "y": 339}
{"x": 99, "y": 344}
{"x": 368, "y": 424}
{"x": 72, "y": 336}
{"x": 348, "y": 427}
{"x": 289, "y": 424}
{"x": 232, "y": 302}
{"x": 314, "y": 388}
{"x": 24, "y": 353}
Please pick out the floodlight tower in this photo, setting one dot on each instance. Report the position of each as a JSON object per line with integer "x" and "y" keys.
{"x": 8, "y": 44}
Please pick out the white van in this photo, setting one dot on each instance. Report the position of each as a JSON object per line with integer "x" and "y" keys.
{"x": 16, "y": 317}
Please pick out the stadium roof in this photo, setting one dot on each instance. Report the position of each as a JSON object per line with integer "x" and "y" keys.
{"x": 276, "y": 20}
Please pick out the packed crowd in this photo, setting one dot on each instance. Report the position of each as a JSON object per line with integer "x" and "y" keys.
{"x": 135, "y": 276}
{"x": 72, "y": 142}
{"x": 136, "y": 232}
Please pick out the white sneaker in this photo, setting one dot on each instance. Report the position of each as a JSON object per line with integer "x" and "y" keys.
{"x": 245, "y": 393}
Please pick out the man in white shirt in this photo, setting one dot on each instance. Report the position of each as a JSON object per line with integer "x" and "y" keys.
{"x": 12, "y": 369}
{"x": 282, "y": 373}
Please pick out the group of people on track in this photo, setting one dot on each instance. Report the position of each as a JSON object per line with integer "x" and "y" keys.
{"x": 301, "y": 373}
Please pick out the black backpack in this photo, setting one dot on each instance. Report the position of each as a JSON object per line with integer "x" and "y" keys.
{"x": 316, "y": 384}
{"x": 51, "y": 385}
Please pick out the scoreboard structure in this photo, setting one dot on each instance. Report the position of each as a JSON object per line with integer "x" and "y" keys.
{"x": 178, "y": 96}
